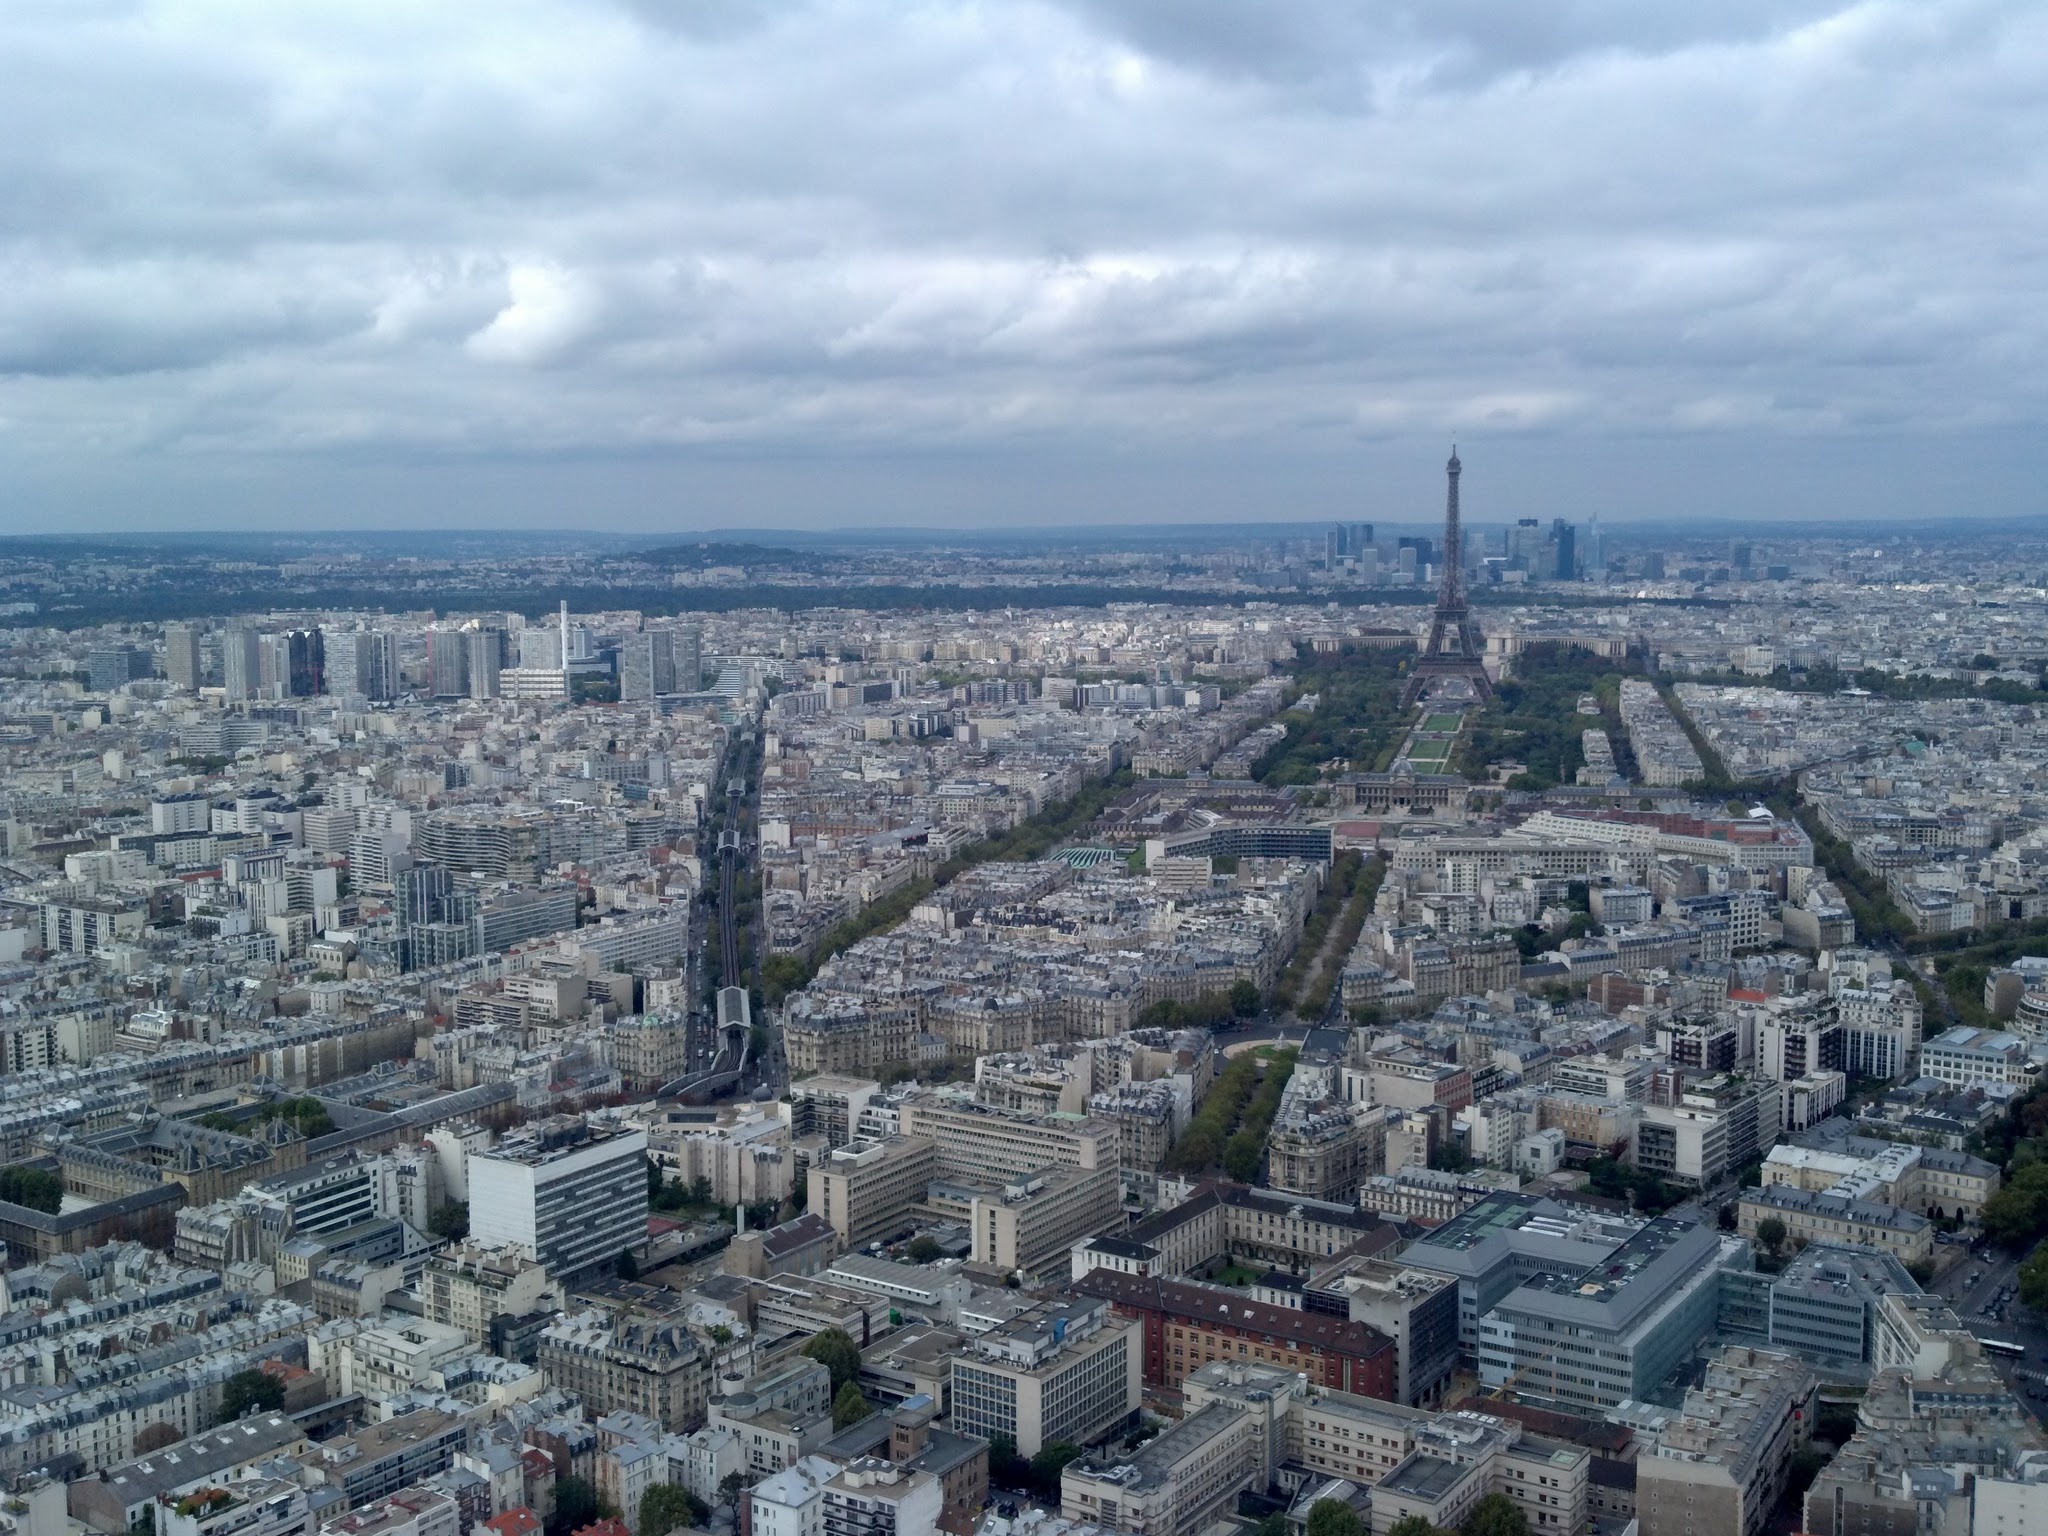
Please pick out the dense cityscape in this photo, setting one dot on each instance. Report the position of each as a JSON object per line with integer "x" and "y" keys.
{"x": 1023, "y": 768}
{"x": 1494, "y": 1030}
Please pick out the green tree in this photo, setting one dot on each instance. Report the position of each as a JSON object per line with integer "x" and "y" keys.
{"x": 1334, "y": 1517}
{"x": 577, "y": 1504}
{"x": 1495, "y": 1515}
{"x": 628, "y": 1266}
{"x": 835, "y": 1350}
{"x": 248, "y": 1392}
{"x": 1411, "y": 1525}
{"x": 666, "y": 1506}
{"x": 2034, "y": 1281}
{"x": 451, "y": 1221}
{"x": 1049, "y": 1463}
{"x": 924, "y": 1249}
{"x": 1241, "y": 1156}
{"x": 1244, "y": 998}
{"x": 35, "y": 1188}
{"x": 1922, "y": 1271}
{"x": 2018, "y": 1213}
{"x": 849, "y": 1407}
{"x": 731, "y": 1486}
{"x": 700, "y": 1190}
{"x": 1771, "y": 1233}
{"x": 1005, "y": 1468}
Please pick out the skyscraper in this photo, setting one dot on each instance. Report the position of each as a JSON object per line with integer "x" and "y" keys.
{"x": 689, "y": 664}
{"x": 181, "y": 656}
{"x": 113, "y": 667}
{"x": 379, "y": 649}
{"x": 541, "y": 649}
{"x": 1564, "y": 543}
{"x": 305, "y": 664}
{"x": 241, "y": 663}
{"x": 486, "y": 660}
{"x": 274, "y": 666}
{"x": 447, "y": 663}
{"x": 647, "y": 665}
{"x": 363, "y": 661}
{"x": 1525, "y": 545}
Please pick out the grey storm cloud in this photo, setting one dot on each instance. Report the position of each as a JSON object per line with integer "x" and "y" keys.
{"x": 312, "y": 236}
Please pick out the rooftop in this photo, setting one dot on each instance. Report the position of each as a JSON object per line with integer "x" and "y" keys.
{"x": 1424, "y": 1477}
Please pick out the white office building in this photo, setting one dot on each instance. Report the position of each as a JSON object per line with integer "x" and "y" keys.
{"x": 571, "y": 1195}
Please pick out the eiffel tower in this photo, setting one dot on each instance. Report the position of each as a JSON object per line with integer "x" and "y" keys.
{"x": 1455, "y": 644}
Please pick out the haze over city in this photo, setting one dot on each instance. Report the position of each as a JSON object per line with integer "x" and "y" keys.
{"x": 664, "y": 266}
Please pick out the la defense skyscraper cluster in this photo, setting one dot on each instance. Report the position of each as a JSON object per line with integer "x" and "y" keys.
{"x": 1453, "y": 660}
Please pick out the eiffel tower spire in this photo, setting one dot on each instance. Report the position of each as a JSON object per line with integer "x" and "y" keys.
{"x": 1456, "y": 647}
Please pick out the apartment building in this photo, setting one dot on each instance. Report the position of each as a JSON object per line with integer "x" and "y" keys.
{"x": 980, "y": 1142}
{"x": 1460, "y": 1458}
{"x": 866, "y": 1189}
{"x": 468, "y": 1285}
{"x": 117, "y": 1498}
{"x": 1062, "y": 1371}
{"x": 829, "y": 1107}
{"x": 626, "y": 1362}
{"x": 571, "y": 1195}
{"x": 1031, "y": 1223}
{"x": 779, "y": 1415}
{"x": 875, "y": 1497}
{"x": 1719, "y": 1124}
{"x": 1416, "y": 1308}
{"x": 1176, "y": 1484}
{"x": 1719, "y": 1466}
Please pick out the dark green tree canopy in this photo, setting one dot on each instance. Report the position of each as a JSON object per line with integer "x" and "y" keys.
{"x": 835, "y": 1350}
{"x": 1334, "y": 1517}
{"x": 35, "y": 1188}
{"x": 1495, "y": 1515}
{"x": 248, "y": 1392}
{"x": 666, "y": 1507}
{"x": 849, "y": 1407}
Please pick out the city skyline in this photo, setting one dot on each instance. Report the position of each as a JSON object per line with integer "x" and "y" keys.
{"x": 609, "y": 267}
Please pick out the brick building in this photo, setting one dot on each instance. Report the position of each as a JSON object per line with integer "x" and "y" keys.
{"x": 1186, "y": 1326}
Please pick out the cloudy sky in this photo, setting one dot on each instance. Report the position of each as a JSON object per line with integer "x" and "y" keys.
{"x": 651, "y": 264}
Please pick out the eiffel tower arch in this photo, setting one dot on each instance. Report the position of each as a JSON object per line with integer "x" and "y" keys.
{"x": 1453, "y": 661}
